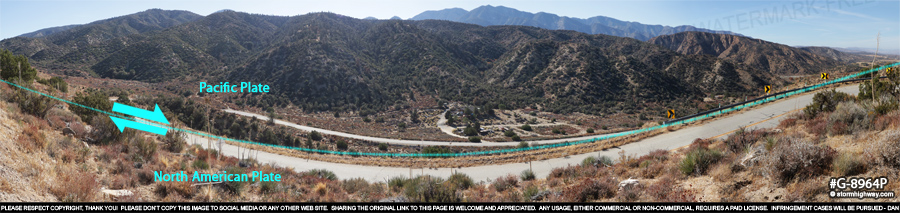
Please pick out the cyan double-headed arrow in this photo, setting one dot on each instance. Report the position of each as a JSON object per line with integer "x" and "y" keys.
{"x": 155, "y": 115}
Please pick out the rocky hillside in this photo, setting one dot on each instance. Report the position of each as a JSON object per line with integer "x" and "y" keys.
{"x": 772, "y": 57}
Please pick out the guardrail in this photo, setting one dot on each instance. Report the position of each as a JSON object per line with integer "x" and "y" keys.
{"x": 776, "y": 95}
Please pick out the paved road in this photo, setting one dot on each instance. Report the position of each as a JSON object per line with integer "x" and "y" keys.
{"x": 542, "y": 168}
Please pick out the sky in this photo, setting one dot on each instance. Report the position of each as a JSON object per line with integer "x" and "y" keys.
{"x": 833, "y": 23}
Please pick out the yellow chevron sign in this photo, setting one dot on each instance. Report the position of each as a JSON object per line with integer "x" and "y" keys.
{"x": 670, "y": 113}
{"x": 825, "y": 76}
{"x": 768, "y": 88}
{"x": 889, "y": 70}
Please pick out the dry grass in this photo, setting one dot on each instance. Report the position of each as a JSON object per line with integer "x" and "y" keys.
{"x": 75, "y": 186}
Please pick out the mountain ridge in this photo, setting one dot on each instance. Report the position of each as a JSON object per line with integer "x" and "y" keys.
{"x": 488, "y": 15}
{"x": 334, "y": 62}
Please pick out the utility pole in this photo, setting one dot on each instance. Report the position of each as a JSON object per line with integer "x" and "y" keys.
{"x": 875, "y": 75}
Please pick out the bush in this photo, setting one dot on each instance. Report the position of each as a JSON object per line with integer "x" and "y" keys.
{"x": 267, "y": 186}
{"x": 315, "y": 135}
{"x": 590, "y": 189}
{"x": 397, "y": 183}
{"x": 504, "y": 183}
{"x": 516, "y": 138}
{"x": 470, "y": 131}
{"x": 849, "y": 114}
{"x": 75, "y": 186}
{"x": 174, "y": 141}
{"x": 342, "y": 145}
{"x": 526, "y": 127}
{"x": 797, "y": 158}
{"x": 32, "y": 139}
{"x": 522, "y": 145}
{"x": 429, "y": 189}
{"x": 527, "y": 175}
{"x": 33, "y": 103}
{"x": 847, "y": 165}
{"x": 105, "y": 131}
{"x": 474, "y": 139}
{"x": 235, "y": 187}
{"x": 818, "y": 127}
{"x": 460, "y": 181}
{"x": 354, "y": 185}
{"x": 590, "y": 130}
{"x": 556, "y": 131}
{"x": 322, "y": 173}
{"x": 509, "y": 133}
{"x": 697, "y": 161}
{"x": 604, "y": 161}
{"x": 742, "y": 139}
{"x": 886, "y": 150}
{"x": 143, "y": 147}
{"x": 589, "y": 161}
{"x": 824, "y": 102}
{"x": 91, "y": 98}
{"x": 382, "y": 146}
{"x": 200, "y": 164}
{"x": 886, "y": 107}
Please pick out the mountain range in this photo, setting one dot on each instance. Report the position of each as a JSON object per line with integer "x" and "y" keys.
{"x": 499, "y": 15}
{"x": 326, "y": 61}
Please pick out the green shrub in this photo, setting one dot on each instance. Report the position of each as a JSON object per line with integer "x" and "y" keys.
{"x": 825, "y": 102}
{"x": 526, "y": 127}
{"x": 604, "y": 161}
{"x": 589, "y": 161}
{"x": 315, "y": 135}
{"x": 397, "y": 183}
{"x": 91, "y": 98}
{"x": 522, "y": 145}
{"x": 460, "y": 181}
{"x": 143, "y": 147}
{"x": 474, "y": 139}
{"x": 322, "y": 173}
{"x": 530, "y": 191}
{"x": 470, "y": 131}
{"x": 342, "y": 145}
{"x": 527, "y": 175}
{"x": 590, "y": 130}
{"x": 699, "y": 160}
{"x": 509, "y": 133}
{"x": 33, "y": 103}
{"x": 382, "y": 146}
{"x": 268, "y": 186}
{"x": 200, "y": 164}
{"x": 516, "y": 138}
{"x": 886, "y": 107}
{"x": 235, "y": 187}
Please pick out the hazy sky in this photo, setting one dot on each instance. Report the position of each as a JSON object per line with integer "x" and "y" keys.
{"x": 835, "y": 23}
